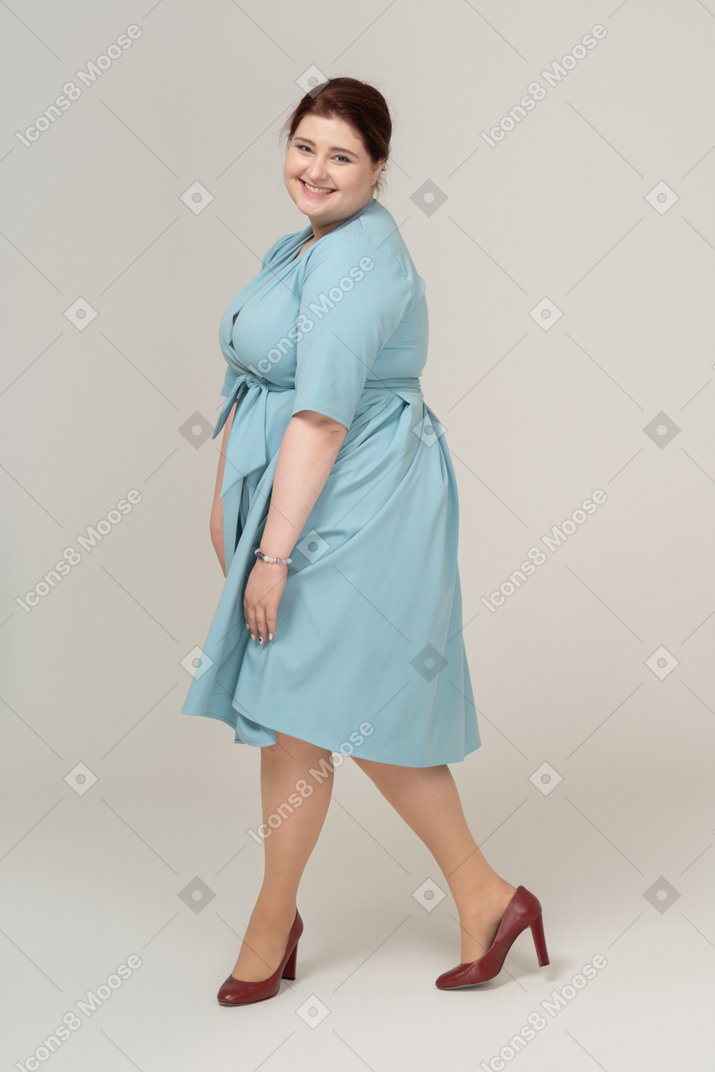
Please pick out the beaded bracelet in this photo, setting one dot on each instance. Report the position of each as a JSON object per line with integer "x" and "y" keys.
{"x": 268, "y": 558}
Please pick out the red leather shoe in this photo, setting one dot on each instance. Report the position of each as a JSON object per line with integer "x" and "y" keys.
{"x": 240, "y": 992}
{"x": 524, "y": 910}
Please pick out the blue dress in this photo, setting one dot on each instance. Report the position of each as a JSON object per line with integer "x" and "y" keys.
{"x": 368, "y": 657}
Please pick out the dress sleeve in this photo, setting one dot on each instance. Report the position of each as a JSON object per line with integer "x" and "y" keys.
{"x": 355, "y": 293}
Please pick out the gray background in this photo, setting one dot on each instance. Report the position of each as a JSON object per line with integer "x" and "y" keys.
{"x": 616, "y": 842}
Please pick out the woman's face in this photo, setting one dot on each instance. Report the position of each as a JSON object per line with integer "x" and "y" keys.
{"x": 329, "y": 156}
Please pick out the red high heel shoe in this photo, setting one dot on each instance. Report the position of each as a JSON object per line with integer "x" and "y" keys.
{"x": 240, "y": 992}
{"x": 524, "y": 910}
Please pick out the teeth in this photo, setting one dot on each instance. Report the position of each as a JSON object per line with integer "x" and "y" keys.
{"x": 316, "y": 189}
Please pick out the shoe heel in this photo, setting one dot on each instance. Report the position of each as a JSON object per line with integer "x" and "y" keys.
{"x": 289, "y": 970}
{"x": 537, "y": 932}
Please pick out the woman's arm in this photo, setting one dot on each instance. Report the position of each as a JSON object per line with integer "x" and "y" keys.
{"x": 307, "y": 455}
{"x": 216, "y": 520}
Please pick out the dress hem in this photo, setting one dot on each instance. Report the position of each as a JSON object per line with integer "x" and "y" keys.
{"x": 319, "y": 744}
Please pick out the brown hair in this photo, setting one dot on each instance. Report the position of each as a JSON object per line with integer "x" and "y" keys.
{"x": 358, "y": 104}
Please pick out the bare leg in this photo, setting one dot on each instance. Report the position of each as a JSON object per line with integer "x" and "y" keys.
{"x": 428, "y": 800}
{"x": 287, "y": 849}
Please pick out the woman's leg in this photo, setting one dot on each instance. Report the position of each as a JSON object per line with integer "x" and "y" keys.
{"x": 287, "y": 847}
{"x": 428, "y": 800}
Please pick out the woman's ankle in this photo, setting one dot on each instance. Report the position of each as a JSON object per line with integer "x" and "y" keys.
{"x": 273, "y": 912}
{"x": 484, "y": 896}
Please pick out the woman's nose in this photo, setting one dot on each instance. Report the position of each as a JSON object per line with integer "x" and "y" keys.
{"x": 317, "y": 170}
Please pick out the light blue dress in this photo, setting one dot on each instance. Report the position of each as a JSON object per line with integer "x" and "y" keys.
{"x": 368, "y": 657}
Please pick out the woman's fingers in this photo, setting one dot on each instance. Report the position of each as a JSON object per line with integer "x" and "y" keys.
{"x": 260, "y": 603}
{"x": 261, "y": 623}
{"x": 261, "y": 620}
{"x": 250, "y": 616}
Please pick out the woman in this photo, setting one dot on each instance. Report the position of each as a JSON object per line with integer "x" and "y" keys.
{"x": 335, "y": 521}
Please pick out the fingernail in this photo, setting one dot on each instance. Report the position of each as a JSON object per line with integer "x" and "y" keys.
{"x": 260, "y": 640}
{"x": 270, "y": 636}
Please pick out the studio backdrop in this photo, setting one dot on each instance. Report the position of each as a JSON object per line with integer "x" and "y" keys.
{"x": 552, "y": 171}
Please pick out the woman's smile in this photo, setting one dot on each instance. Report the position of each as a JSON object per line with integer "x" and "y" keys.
{"x": 316, "y": 191}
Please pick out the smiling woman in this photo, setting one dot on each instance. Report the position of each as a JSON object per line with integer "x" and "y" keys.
{"x": 336, "y": 475}
{"x": 331, "y": 164}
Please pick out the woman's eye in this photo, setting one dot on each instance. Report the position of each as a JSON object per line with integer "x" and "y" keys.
{"x": 338, "y": 157}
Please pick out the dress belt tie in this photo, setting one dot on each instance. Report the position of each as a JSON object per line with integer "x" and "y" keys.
{"x": 246, "y": 449}
{"x": 396, "y": 383}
